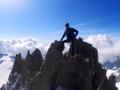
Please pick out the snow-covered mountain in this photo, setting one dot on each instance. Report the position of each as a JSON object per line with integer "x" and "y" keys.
{"x": 115, "y": 64}
{"x": 116, "y": 72}
{"x": 6, "y": 63}
{"x": 114, "y": 68}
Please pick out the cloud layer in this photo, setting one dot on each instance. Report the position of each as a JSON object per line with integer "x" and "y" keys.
{"x": 108, "y": 49}
{"x": 13, "y": 47}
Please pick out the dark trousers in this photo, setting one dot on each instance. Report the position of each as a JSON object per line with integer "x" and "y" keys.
{"x": 72, "y": 46}
{"x": 66, "y": 41}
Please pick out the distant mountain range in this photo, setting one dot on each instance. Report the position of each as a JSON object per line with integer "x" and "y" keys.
{"x": 111, "y": 65}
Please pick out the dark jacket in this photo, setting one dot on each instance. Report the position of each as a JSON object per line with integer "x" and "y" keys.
{"x": 71, "y": 33}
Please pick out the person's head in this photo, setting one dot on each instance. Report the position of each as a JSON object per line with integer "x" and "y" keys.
{"x": 67, "y": 25}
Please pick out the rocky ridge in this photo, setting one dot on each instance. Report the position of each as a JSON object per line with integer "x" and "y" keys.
{"x": 60, "y": 71}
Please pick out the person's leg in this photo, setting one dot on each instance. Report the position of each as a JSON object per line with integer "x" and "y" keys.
{"x": 72, "y": 45}
{"x": 65, "y": 41}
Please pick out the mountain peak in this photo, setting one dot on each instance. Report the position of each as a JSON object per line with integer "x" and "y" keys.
{"x": 77, "y": 69}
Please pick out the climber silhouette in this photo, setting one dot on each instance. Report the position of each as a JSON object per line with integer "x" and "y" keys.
{"x": 70, "y": 34}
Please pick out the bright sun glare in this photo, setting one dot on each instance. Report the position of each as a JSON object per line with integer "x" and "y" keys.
{"x": 12, "y": 3}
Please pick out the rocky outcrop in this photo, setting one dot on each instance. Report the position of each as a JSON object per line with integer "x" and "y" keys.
{"x": 67, "y": 72}
{"x": 44, "y": 79}
{"x": 77, "y": 69}
{"x": 32, "y": 64}
{"x": 23, "y": 71}
{"x": 108, "y": 84}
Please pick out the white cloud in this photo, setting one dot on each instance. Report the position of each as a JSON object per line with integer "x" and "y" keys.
{"x": 108, "y": 49}
{"x": 5, "y": 69}
{"x": 13, "y": 47}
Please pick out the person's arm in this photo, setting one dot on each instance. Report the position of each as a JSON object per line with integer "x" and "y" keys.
{"x": 63, "y": 36}
{"x": 76, "y": 32}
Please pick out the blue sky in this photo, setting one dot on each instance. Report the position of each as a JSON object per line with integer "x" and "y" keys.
{"x": 45, "y": 19}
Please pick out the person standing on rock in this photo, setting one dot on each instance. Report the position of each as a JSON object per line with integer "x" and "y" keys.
{"x": 71, "y": 35}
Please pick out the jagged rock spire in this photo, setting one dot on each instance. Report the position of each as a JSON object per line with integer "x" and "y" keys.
{"x": 61, "y": 72}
